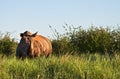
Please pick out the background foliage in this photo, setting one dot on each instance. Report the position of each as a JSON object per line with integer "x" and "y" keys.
{"x": 7, "y": 44}
{"x": 92, "y": 40}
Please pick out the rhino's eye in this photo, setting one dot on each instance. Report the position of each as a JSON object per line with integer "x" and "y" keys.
{"x": 28, "y": 38}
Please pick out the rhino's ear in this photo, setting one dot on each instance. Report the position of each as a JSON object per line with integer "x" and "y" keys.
{"x": 34, "y": 34}
{"x": 21, "y": 34}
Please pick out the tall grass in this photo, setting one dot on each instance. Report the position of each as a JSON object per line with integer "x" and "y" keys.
{"x": 89, "y": 66}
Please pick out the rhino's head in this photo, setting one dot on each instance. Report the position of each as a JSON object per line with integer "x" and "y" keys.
{"x": 26, "y": 39}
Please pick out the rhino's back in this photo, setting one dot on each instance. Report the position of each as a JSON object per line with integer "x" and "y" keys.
{"x": 42, "y": 45}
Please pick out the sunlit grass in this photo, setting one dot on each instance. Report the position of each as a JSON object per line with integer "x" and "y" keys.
{"x": 91, "y": 66}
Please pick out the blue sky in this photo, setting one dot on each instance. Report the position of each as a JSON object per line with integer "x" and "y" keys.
{"x": 16, "y": 16}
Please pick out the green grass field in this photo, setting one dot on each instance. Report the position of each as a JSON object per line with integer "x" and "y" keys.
{"x": 86, "y": 66}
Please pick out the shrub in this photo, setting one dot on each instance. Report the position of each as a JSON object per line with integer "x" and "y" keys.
{"x": 94, "y": 39}
{"x": 7, "y": 44}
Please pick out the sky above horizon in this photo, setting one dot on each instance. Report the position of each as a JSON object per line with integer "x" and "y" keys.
{"x": 17, "y": 16}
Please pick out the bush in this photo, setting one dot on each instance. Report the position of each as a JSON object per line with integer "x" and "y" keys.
{"x": 7, "y": 45}
{"x": 94, "y": 39}
{"x": 61, "y": 44}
